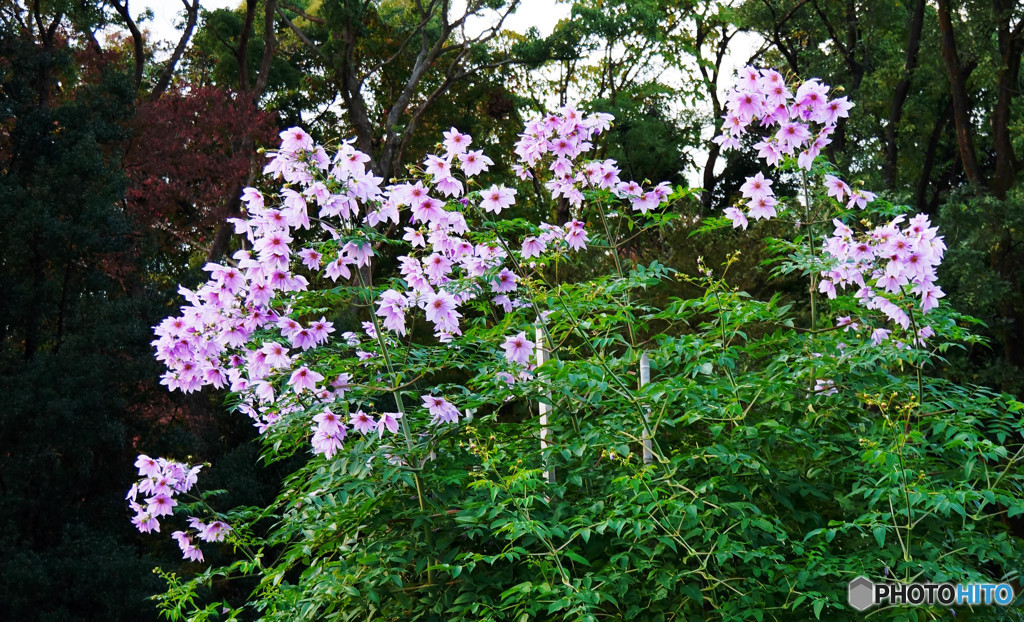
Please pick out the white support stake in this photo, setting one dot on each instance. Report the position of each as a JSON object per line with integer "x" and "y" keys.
{"x": 645, "y": 379}
{"x": 544, "y": 409}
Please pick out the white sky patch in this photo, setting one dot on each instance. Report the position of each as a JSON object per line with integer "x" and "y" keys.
{"x": 169, "y": 15}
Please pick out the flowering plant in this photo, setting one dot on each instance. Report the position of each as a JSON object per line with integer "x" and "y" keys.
{"x": 689, "y": 452}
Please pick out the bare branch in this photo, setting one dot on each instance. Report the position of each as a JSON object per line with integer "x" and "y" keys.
{"x": 242, "y": 51}
{"x": 137, "y": 39}
{"x": 401, "y": 47}
{"x": 301, "y": 35}
{"x": 168, "y": 70}
{"x": 269, "y": 47}
{"x": 294, "y": 9}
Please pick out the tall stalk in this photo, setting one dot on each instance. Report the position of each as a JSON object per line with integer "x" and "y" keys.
{"x": 400, "y": 404}
{"x": 810, "y": 234}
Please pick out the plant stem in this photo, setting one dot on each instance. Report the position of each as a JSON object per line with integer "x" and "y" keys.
{"x": 917, "y": 367}
{"x": 575, "y": 325}
{"x": 400, "y": 403}
{"x": 810, "y": 234}
{"x": 613, "y": 243}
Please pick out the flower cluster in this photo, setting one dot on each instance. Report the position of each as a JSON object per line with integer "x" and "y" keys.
{"x": 240, "y": 330}
{"x": 795, "y": 125}
{"x": 562, "y": 138}
{"x": 162, "y": 479}
{"x": 886, "y": 262}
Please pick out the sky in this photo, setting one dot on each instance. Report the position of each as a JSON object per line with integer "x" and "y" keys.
{"x": 542, "y": 14}
{"x": 168, "y": 12}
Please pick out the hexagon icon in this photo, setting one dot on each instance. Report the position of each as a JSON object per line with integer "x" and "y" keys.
{"x": 861, "y": 593}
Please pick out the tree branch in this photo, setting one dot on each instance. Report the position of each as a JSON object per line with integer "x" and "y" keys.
{"x": 269, "y": 48}
{"x": 294, "y": 9}
{"x": 137, "y": 39}
{"x": 242, "y": 50}
{"x": 301, "y": 35}
{"x": 958, "y": 89}
{"x": 168, "y": 70}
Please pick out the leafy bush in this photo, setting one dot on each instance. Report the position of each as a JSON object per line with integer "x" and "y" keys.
{"x": 707, "y": 457}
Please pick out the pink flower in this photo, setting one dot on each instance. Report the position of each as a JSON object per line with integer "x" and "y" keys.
{"x": 518, "y": 349}
{"x": 437, "y": 267}
{"x": 338, "y": 269}
{"x": 188, "y": 549}
{"x": 146, "y": 523}
{"x": 836, "y": 187}
{"x": 304, "y": 379}
{"x": 629, "y": 189}
{"x": 576, "y": 235}
{"x": 160, "y": 505}
{"x": 506, "y": 282}
{"x": 147, "y": 466}
{"x": 497, "y": 198}
{"x": 828, "y": 288}
{"x": 326, "y": 443}
{"x": 389, "y": 422}
{"x": 295, "y": 138}
{"x": 321, "y": 329}
{"x": 860, "y": 199}
{"x": 768, "y": 151}
{"x": 391, "y": 307}
{"x": 429, "y": 210}
{"x": 533, "y": 247}
{"x": 646, "y": 203}
{"x": 360, "y": 251}
{"x": 455, "y": 142}
{"x": 825, "y": 387}
{"x": 440, "y": 409}
{"x": 448, "y": 186}
{"x": 757, "y": 187}
{"x": 835, "y": 110}
{"x": 438, "y": 167}
{"x": 276, "y": 355}
{"x": 214, "y": 532}
{"x": 441, "y": 310}
{"x": 762, "y": 207}
{"x": 736, "y": 215}
{"x": 328, "y": 421}
{"x": 474, "y": 162}
{"x": 254, "y": 198}
{"x": 879, "y": 335}
{"x": 414, "y": 237}
{"x": 362, "y": 422}
{"x": 793, "y": 134}
{"x": 303, "y": 339}
{"x": 930, "y": 295}
{"x": 846, "y": 322}
{"x": 341, "y": 384}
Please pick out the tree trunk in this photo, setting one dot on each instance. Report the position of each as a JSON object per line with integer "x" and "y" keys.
{"x": 924, "y": 177}
{"x": 900, "y": 94}
{"x": 1006, "y": 87}
{"x": 958, "y": 91}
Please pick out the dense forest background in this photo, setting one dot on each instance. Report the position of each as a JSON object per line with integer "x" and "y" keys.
{"x": 122, "y": 156}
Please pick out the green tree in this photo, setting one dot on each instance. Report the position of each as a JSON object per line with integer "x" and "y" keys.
{"x": 73, "y": 321}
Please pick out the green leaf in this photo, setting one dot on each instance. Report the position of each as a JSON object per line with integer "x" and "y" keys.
{"x": 879, "y": 533}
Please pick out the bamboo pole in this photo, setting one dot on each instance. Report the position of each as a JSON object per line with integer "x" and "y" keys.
{"x": 645, "y": 379}
{"x": 544, "y": 409}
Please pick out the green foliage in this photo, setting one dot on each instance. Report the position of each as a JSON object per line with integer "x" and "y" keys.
{"x": 983, "y": 273}
{"x": 785, "y": 461}
{"x": 68, "y": 326}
